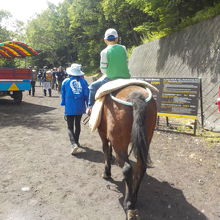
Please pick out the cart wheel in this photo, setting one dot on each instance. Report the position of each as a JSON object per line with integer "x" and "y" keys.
{"x": 17, "y": 95}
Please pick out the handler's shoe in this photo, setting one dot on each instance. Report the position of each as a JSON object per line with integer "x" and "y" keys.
{"x": 79, "y": 145}
{"x": 75, "y": 149}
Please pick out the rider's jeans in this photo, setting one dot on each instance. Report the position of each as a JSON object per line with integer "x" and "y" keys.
{"x": 94, "y": 87}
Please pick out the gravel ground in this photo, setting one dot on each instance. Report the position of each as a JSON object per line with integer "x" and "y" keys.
{"x": 40, "y": 180}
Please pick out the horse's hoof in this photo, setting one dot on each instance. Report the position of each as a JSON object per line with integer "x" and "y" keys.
{"x": 106, "y": 177}
{"x": 132, "y": 214}
{"x": 150, "y": 165}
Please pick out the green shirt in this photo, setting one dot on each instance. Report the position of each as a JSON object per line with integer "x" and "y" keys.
{"x": 114, "y": 62}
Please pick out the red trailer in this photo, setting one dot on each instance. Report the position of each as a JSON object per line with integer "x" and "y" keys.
{"x": 13, "y": 81}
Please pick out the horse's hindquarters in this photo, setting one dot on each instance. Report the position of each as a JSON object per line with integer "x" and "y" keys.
{"x": 122, "y": 124}
{"x": 116, "y": 124}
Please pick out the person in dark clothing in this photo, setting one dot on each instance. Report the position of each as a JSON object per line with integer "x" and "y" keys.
{"x": 39, "y": 76}
{"x": 60, "y": 76}
{"x": 33, "y": 82}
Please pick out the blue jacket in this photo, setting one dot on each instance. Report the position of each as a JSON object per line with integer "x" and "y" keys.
{"x": 74, "y": 95}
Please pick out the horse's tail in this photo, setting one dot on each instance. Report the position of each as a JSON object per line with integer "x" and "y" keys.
{"x": 140, "y": 144}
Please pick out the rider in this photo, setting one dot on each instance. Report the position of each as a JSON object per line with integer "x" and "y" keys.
{"x": 113, "y": 64}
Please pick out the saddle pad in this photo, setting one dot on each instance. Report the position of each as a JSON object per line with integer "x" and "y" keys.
{"x": 120, "y": 83}
{"x": 107, "y": 88}
{"x": 95, "y": 117}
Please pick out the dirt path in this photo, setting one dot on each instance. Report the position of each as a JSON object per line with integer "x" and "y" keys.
{"x": 35, "y": 153}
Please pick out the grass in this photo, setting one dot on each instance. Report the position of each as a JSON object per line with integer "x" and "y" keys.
{"x": 187, "y": 125}
{"x": 212, "y": 138}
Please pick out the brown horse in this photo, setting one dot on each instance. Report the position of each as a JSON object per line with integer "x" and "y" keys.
{"x": 123, "y": 124}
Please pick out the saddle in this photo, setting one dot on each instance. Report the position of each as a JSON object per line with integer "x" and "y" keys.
{"x": 107, "y": 88}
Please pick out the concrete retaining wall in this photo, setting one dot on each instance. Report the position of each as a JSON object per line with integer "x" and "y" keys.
{"x": 192, "y": 52}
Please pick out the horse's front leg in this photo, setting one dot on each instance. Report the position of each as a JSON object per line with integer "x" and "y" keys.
{"x": 107, "y": 150}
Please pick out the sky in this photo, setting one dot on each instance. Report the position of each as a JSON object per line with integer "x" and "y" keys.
{"x": 25, "y": 9}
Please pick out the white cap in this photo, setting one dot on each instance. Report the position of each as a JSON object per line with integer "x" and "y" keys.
{"x": 111, "y": 32}
{"x": 75, "y": 70}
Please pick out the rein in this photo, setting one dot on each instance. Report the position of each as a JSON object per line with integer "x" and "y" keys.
{"x": 123, "y": 102}
{"x": 131, "y": 104}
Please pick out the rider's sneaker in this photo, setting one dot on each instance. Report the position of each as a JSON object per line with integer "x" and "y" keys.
{"x": 89, "y": 111}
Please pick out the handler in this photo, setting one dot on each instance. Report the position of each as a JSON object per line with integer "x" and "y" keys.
{"x": 74, "y": 97}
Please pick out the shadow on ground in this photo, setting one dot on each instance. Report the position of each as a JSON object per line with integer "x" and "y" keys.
{"x": 91, "y": 155}
{"x": 25, "y": 114}
{"x": 161, "y": 201}
{"x": 156, "y": 200}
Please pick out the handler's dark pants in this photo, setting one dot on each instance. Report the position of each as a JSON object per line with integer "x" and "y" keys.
{"x": 74, "y": 127}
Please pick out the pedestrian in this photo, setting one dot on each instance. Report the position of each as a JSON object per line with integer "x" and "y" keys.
{"x": 53, "y": 81}
{"x": 74, "y": 97}
{"x": 113, "y": 65}
{"x": 39, "y": 76}
{"x": 33, "y": 81}
{"x": 46, "y": 81}
{"x": 60, "y": 76}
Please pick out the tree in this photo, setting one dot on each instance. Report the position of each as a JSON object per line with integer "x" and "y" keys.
{"x": 73, "y": 31}
{"x": 5, "y": 35}
{"x": 49, "y": 33}
{"x": 167, "y": 15}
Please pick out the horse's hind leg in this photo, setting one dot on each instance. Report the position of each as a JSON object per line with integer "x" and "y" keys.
{"x": 107, "y": 150}
{"x": 139, "y": 172}
{"x": 128, "y": 178}
{"x": 132, "y": 177}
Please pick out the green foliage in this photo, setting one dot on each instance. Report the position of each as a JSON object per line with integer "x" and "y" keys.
{"x": 48, "y": 33}
{"x": 5, "y": 35}
{"x": 73, "y": 31}
{"x": 188, "y": 15}
{"x": 201, "y": 16}
{"x": 85, "y": 18}
{"x": 125, "y": 18}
